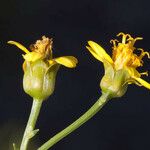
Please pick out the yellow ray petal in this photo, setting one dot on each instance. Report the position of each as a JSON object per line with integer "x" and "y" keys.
{"x": 18, "y": 45}
{"x": 101, "y": 53}
{"x": 94, "y": 54}
{"x": 32, "y": 56}
{"x": 67, "y": 61}
{"x": 143, "y": 82}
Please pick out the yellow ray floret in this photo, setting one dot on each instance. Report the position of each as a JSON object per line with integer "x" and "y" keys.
{"x": 20, "y": 46}
{"x": 142, "y": 82}
{"x": 98, "y": 52}
{"x": 67, "y": 61}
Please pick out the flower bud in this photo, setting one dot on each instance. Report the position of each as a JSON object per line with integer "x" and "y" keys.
{"x": 39, "y": 79}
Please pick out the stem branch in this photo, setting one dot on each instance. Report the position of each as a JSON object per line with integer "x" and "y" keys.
{"x": 85, "y": 117}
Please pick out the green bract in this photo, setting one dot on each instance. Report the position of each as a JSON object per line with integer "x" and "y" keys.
{"x": 39, "y": 79}
{"x": 114, "y": 82}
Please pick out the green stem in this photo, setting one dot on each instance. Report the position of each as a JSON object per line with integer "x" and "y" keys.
{"x": 29, "y": 131}
{"x": 85, "y": 117}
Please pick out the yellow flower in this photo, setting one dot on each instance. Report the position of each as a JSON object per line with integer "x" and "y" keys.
{"x": 122, "y": 67}
{"x": 40, "y": 68}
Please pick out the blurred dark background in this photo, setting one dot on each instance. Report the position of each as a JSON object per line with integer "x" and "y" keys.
{"x": 123, "y": 124}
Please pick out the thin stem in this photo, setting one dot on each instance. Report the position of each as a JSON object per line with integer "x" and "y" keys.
{"x": 85, "y": 117}
{"x": 29, "y": 131}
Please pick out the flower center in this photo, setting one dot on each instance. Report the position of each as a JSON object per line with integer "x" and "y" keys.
{"x": 123, "y": 53}
{"x": 43, "y": 47}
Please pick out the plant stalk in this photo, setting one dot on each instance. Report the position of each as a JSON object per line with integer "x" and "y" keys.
{"x": 29, "y": 130}
{"x": 85, "y": 117}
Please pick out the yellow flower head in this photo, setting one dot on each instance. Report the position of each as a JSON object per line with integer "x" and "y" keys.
{"x": 124, "y": 60}
{"x": 40, "y": 68}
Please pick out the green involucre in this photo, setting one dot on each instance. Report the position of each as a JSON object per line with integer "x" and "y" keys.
{"x": 39, "y": 79}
